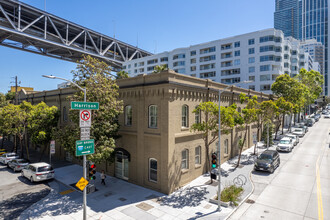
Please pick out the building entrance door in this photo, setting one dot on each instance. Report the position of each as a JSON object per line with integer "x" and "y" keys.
{"x": 121, "y": 165}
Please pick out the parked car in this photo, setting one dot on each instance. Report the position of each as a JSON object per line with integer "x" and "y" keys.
{"x": 327, "y": 115}
{"x": 303, "y": 126}
{"x": 5, "y": 158}
{"x": 294, "y": 138}
{"x": 318, "y": 116}
{"x": 36, "y": 172}
{"x": 315, "y": 117}
{"x": 310, "y": 122}
{"x": 325, "y": 112}
{"x": 299, "y": 132}
{"x": 17, "y": 164}
{"x": 267, "y": 161}
{"x": 285, "y": 144}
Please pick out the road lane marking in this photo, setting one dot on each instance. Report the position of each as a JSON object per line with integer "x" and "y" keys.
{"x": 67, "y": 192}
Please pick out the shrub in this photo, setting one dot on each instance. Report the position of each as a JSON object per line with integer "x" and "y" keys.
{"x": 231, "y": 194}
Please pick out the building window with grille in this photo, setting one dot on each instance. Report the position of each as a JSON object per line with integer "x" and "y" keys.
{"x": 153, "y": 116}
{"x": 185, "y": 116}
{"x": 198, "y": 155}
{"x": 128, "y": 115}
{"x": 226, "y": 146}
{"x": 185, "y": 159}
{"x": 197, "y": 115}
{"x": 152, "y": 170}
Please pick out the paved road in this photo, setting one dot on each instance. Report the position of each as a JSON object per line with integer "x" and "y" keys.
{"x": 300, "y": 187}
{"x": 17, "y": 193}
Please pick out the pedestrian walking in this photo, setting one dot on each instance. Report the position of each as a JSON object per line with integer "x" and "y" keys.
{"x": 103, "y": 176}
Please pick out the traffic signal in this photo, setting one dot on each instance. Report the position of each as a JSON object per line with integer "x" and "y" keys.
{"x": 92, "y": 171}
{"x": 214, "y": 160}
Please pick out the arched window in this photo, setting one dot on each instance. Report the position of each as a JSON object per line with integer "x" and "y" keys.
{"x": 185, "y": 159}
{"x": 128, "y": 115}
{"x": 65, "y": 115}
{"x": 198, "y": 155}
{"x": 153, "y": 116}
{"x": 153, "y": 170}
{"x": 197, "y": 115}
{"x": 185, "y": 116}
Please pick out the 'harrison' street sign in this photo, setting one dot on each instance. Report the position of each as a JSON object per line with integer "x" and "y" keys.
{"x": 85, "y": 105}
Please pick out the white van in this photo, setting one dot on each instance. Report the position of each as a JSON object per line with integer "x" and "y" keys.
{"x": 37, "y": 172}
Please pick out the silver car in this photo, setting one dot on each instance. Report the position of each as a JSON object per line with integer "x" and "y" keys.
{"x": 294, "y": 138}
{"x": 36, "y": 172}
{"x": 299, "y": 132}
{"x": 17, "y": 164}
{"x": 5, "y": 158}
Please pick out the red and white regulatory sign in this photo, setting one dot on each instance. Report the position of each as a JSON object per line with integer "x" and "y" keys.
{"x": 85, "y": 118}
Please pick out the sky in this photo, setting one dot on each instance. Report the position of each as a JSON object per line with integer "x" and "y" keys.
{"x": 153, "y": 25}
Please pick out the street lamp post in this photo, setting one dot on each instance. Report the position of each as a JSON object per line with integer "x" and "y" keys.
{"x": 219, "y": 144}
{"x": 84, "y": 157}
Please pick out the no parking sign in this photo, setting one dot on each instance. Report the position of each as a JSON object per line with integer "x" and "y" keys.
{"x": 85, "y": 118}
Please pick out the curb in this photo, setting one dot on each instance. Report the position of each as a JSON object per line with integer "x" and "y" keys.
{"x": 241, "y": 203}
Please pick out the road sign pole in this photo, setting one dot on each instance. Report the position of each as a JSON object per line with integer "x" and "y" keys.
{"x": 84, "y": 171}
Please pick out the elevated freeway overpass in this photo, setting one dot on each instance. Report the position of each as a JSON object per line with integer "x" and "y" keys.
{"x": 30, "y": 29}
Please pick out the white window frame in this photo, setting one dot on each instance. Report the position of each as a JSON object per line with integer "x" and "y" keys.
{"x": 185, "y": 116}
{"x": 151, "y": 169}
{"x": 225, "y": 143}
{"x": 198, "y": 155}
{"x": 152, "y": 115}
{"x": 126, "y": 115}
{"x": 197, "y": 116}
{"x": 185, "y": 161}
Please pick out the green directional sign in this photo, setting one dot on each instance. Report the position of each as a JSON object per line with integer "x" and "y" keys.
{"x": 85, "y": 105}
{"x": 85, "y": 147}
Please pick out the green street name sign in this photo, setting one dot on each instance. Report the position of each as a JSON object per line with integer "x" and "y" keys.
{"x": 85, "y": 105}
{"x": 85, "y": 147}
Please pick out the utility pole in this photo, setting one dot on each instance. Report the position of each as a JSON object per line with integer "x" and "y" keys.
{"x": 16, "y": 100}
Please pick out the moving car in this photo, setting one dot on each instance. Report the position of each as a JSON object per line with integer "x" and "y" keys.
{"x": 325, "y": 112}
{"x": 294, "y": 138}
{"x": 37, "y": 172}
{"x": 267, "y": 161}
{"x": 5, "y": 158}
{"x": 299, "y": 132}
{"x": 285, "y": 144}
{"x": 17, "y": 164}
{"x": 327, "y": 115}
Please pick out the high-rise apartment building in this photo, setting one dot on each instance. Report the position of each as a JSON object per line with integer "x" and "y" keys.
{"x": 286, "y": 17}
{"x": 314, "y": 19}
{"x": 259, "y": 57}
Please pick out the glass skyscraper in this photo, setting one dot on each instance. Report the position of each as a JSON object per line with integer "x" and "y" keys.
{"x": 314, "y": 25}
{"x": 286, "y": 17}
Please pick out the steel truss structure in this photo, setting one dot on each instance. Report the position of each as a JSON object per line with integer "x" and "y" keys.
{"x": 30, "y": 29}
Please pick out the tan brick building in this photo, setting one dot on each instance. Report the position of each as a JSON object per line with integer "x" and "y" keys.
{"x": 157, "y": 149}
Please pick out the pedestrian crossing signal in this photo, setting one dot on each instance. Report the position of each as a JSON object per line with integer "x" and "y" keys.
{"x": 214, "y": 160}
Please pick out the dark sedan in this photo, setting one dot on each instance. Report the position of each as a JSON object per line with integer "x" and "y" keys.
{"x": 269, "y": 160}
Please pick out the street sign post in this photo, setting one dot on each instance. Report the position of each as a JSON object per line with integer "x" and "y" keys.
{"x": 84, "y": 147}
{"x": 85, "y": 105}
{"x": 82, "y": 183}
{"x": 51, "y": 150}
{"x": 85, "y": 118}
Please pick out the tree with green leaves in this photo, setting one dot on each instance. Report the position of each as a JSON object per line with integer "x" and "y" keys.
{"x": 3, "y": 100}
{"x": 42, "y": 124}
{"x": 269, "y": 111}
{"x": 284, "y": 107}
{"x": 97, "y": 78}
{"x": 209, "y": 126}
{"x": 160, "y": 68}
{"x": 122, "y": 75}
{"x": 249, "y": 116}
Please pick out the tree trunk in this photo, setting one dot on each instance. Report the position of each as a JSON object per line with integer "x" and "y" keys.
{"x": 26, "y": 146}
{"x": 283, "y": 124}
{"x": 42, "y": 153}
{"x": 21, "y": 146}
{"x": 241, "y": 147}
{"x": 3, "y": 140}
{"x": 258, "y": 139}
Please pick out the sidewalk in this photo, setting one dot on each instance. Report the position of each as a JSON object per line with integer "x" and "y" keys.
{"x": 122, "y": 200}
